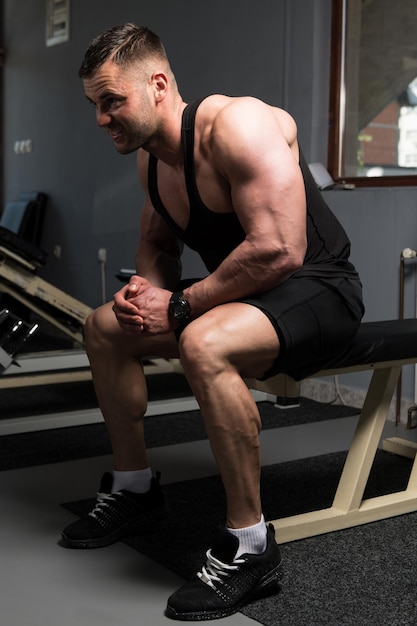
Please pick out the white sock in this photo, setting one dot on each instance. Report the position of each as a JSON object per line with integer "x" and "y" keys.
{"x": 137, "y": 481}
{"x": 252, "y": 540}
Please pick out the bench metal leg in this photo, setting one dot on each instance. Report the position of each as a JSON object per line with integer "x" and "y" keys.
{"x": 349, "y": 508}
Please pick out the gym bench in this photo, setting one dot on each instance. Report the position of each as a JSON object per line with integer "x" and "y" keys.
{"x": 383, "y": 347}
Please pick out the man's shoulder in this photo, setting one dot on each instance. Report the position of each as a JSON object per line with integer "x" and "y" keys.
{"x": 233, "y": 111}
{"x": 223, "y": 120}
{"x": 220, "y": 118}
{"x": 217, "y": 106}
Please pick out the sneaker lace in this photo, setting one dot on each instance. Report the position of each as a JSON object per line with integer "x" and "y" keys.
{"x": 103, "y": 500}
{"x": 214, "y": 569}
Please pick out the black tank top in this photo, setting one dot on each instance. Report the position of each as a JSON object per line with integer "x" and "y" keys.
{"x": 214, "y": 235}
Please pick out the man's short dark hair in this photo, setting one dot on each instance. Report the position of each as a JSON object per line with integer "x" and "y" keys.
{"x": 123, "y": 44}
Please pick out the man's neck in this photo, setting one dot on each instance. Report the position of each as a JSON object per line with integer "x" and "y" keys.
{"x": 166, "y": 146}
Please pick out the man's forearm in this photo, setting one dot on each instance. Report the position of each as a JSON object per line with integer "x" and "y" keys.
{"x": 161, "y": 268}
{"x": 244, "y": 272}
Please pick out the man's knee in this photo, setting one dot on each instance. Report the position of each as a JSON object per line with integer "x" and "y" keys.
{"x": 96, "y": 326}
{"x": 200, "y": 349}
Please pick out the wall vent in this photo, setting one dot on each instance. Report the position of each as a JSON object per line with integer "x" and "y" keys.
{"x": 57, "y": 21}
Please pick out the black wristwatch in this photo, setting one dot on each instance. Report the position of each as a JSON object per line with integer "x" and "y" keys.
{"x": 178, "y": 307}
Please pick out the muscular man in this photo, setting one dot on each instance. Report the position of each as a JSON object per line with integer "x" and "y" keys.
{"x": 226, "y": 177}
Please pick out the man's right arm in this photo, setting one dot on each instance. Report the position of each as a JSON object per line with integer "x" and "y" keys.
{"x": 158, "y": 261}
{"x": 158, "y": 255}
{"x": 158, "y": 269}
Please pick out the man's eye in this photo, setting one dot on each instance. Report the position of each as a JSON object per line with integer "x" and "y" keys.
{"x": 112, "y": 103}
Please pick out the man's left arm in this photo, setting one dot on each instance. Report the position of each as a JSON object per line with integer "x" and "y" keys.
{"x": 257, "y": 153}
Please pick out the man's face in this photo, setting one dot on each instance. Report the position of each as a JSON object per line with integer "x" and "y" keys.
{"x": 123, "y": 105}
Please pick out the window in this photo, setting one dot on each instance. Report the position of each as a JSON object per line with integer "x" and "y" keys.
{"x": 373, "y": 103}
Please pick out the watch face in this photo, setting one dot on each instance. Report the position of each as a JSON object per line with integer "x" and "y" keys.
{"x": 179, "y": 314}
{"x": 179, "y": 308}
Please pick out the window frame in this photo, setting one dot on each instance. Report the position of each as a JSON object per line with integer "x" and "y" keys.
{"x": 337, "y": 112}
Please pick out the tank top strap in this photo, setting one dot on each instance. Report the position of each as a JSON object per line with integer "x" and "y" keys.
{"x": 187, "y": 133}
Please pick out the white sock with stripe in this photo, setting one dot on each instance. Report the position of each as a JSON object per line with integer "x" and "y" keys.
{"x": 252, "y": 540}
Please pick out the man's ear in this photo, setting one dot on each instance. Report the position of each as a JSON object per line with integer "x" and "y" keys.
{"x": 160, "y": 85}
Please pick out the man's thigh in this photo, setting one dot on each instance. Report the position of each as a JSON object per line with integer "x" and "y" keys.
{"x": 238, "y": 333}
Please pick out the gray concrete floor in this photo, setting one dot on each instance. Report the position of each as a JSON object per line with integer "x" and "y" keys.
{"x": 43, "y": 584}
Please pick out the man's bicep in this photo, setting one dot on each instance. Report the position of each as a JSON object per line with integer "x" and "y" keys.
{"x": 269, "y": 199}
{"x": 262, "y": 169}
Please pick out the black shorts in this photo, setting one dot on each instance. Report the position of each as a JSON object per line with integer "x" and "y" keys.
{"x": 315, "y": 319}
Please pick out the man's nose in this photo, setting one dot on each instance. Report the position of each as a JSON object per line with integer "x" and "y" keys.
{"x": 102, "y": 118}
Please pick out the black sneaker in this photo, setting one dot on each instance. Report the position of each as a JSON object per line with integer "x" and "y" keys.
{"x": 116, "y": 515}
{"x": 226, "y": 584}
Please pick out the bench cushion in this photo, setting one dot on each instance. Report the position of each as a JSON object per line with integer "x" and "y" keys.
{"x": 376, "y": 342}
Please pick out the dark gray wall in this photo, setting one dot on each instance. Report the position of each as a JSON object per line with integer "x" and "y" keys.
{"x": 235, "y": 47}
{"x": 277, "y": 50}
